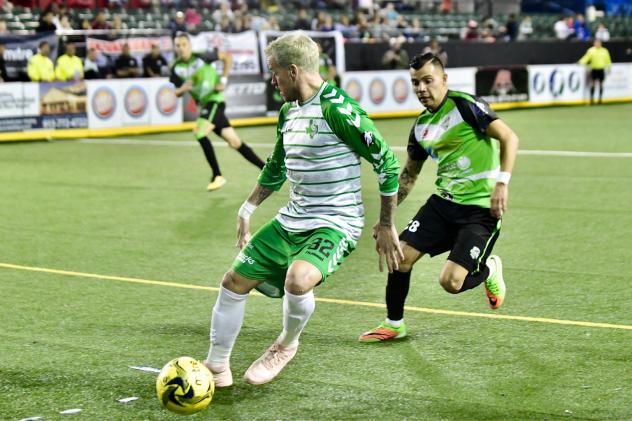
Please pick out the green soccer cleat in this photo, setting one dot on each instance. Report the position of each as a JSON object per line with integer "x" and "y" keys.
{"x": 384, "y": 332}
{"x": 495, "y": 285}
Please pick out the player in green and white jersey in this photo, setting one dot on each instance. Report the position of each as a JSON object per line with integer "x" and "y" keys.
{"x": 475, "y": 153}
{"x": 194, "y": 73}
{"x": 321, "y": 135}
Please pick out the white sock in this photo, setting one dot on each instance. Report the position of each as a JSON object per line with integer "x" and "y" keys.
{"x": 394, "y": 323}
{"x": 228, "y": 315}
{"x": 297, "y": 309}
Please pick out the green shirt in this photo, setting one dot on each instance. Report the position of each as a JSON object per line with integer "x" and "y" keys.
{"x": 454, "y": 135}
{"x": 200, "y": 70}
{"x": 318, "y": 148}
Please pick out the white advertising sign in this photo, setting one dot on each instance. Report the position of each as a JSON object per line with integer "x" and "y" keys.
{"x": 134, "y": 101}
{"x": 392, "y": 91}
{"x": 164, "y": 106}
{"x": 19, "y": 100}
{"x": 618, "y": 82}
{"x": 242, "y": 47}
{"x": 105, "y": 108}
{"x": 561, "y": 82}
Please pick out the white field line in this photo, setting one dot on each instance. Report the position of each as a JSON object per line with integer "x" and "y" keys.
{"x": 127, "y": 141}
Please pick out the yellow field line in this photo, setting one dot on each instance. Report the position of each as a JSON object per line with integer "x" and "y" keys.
{"x": 324, "y": 300}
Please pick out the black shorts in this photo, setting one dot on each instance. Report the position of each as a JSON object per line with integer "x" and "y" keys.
{"x": 468, "y": 232}
{"x": 215, "y": 112}
{"x": 597, "y": 74}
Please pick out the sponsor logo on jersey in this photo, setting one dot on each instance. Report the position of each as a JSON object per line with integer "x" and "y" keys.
{"x": 475, "y": 252}
{"x": 245, "y": 259}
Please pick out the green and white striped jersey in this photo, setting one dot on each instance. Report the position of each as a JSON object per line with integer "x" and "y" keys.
{"x": 318, "y": 148}
{"x": 454, "y": 135}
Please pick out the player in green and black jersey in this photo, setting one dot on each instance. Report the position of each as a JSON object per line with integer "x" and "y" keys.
{"x": 475, "y": 153}
{"x": 194, "y": 73}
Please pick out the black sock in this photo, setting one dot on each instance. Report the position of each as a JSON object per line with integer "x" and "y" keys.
{"x": 396, "y": 291}
{"x": 250, "y": 155}
{"x": 600, "y": 93}
{"x": 472, "y": 280}
{"x": 592, "y": 93}
{"x": 209, "y": 153}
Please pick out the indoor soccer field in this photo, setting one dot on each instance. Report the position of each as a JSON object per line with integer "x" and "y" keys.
{"x": 111, "y": 253}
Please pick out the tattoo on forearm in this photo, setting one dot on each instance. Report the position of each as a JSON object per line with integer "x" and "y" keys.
{"x": 387, "y": 210}
{"x": 259, "y": 194}
{"x": 407, "y": 179}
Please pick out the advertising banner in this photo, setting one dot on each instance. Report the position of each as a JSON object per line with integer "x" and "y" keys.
{"x": 139, "y": 47}
{"x": 105, "y": 108}
{"x": 245, "y": 97}
{"x": 62, "y": 104}
{"x": 20, "y": 48}
{"x": 19, "y": 107}
{"x": 135, "y": 102}
{"x": 242, "y": 47}
{"x": 503, "y": 84}
{"x": 561, "y": 82}
{"x": 164, "y": 106}
{"x": 618, "y": 81}
{"x": 392, "y": 91}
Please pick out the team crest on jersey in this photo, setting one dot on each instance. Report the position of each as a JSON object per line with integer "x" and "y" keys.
{"x": 368, "y": 138}
{"x": 424, "y": 134}
{"x": 475, "y": 252}
{"x": 312, "y": 128}
{"x": 463, "y": 163}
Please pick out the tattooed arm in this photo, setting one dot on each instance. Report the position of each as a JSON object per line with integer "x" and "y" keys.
{"x": 257, "y": 196}
{"x": 407, "y": 178}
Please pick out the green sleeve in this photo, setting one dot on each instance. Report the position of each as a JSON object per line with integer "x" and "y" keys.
{"x": 351, "y": 124}
{"x": 273, "y": 174}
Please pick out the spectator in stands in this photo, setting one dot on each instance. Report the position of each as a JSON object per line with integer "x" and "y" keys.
{"x": 389, "y": 14}
{"x": 487, "y": 34}
{"x": 46, "y": 23}
{"x": 86, "y": 25}
{"x": 192, "y": 18}
{"x": 436, "y": 49}
{"x": 598, "y": 58}
{"x": 126, "y": 65}
{"x": 3, "y": 28}
{"x": 414, "y": 32}
{"x": 225, "y": 25}
{"x": 602, "y": 33}
{"x": 118, "y": 24}
{"x": 3, "y": 67}
{"x": 69, "y": 66}
{"x": 582, "y": 32}
{"x": 326, "y": 67}
{"x": 396, "y": 57}
{"x": 154, "y": 64}
{"x": 238, "y": 24}
{"x": 364, "y": 32}
{"x": 470, "y": 32}
{"x": 318, "y": 20}
{"x": 40, "y": 67}
{"x": 64, "y": 23}
{"x": 303, "y": 21}
{"x": 223, "y": 10}
{"x": 100, "y": 21}
{"x": 91, "y": 66}
{"x": 344, "y": 25}
{"x": 178, "y": 24}
{"x": 328, "y": 25}
{"x": 511, "y": 28}
{"x": 526, "y": 29}
{"x": 272, "y": 24}
{"x": 562, "y": 30}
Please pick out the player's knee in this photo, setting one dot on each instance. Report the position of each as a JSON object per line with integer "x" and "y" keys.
{"x": 299, "y": 282}
{"x": 405, "y": 266}
{"x": 235, "y": 144}
{"x": 450, "y": 283}
{"x": 232, "y": 283}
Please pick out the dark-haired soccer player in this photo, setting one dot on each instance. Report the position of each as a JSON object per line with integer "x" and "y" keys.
{"x": 459, "y": 131}
{"x": 195, "y": 74}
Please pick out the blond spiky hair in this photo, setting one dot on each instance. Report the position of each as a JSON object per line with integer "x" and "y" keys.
{"x": 294, "y": 48}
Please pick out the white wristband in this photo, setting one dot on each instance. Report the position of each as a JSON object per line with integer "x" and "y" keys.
{"x": 503, "y": 177}
{"x": 223, "y": 80}
{"x": 246, "y": 210}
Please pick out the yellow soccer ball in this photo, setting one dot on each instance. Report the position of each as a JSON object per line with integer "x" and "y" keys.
{"x": 185, "y": 386}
